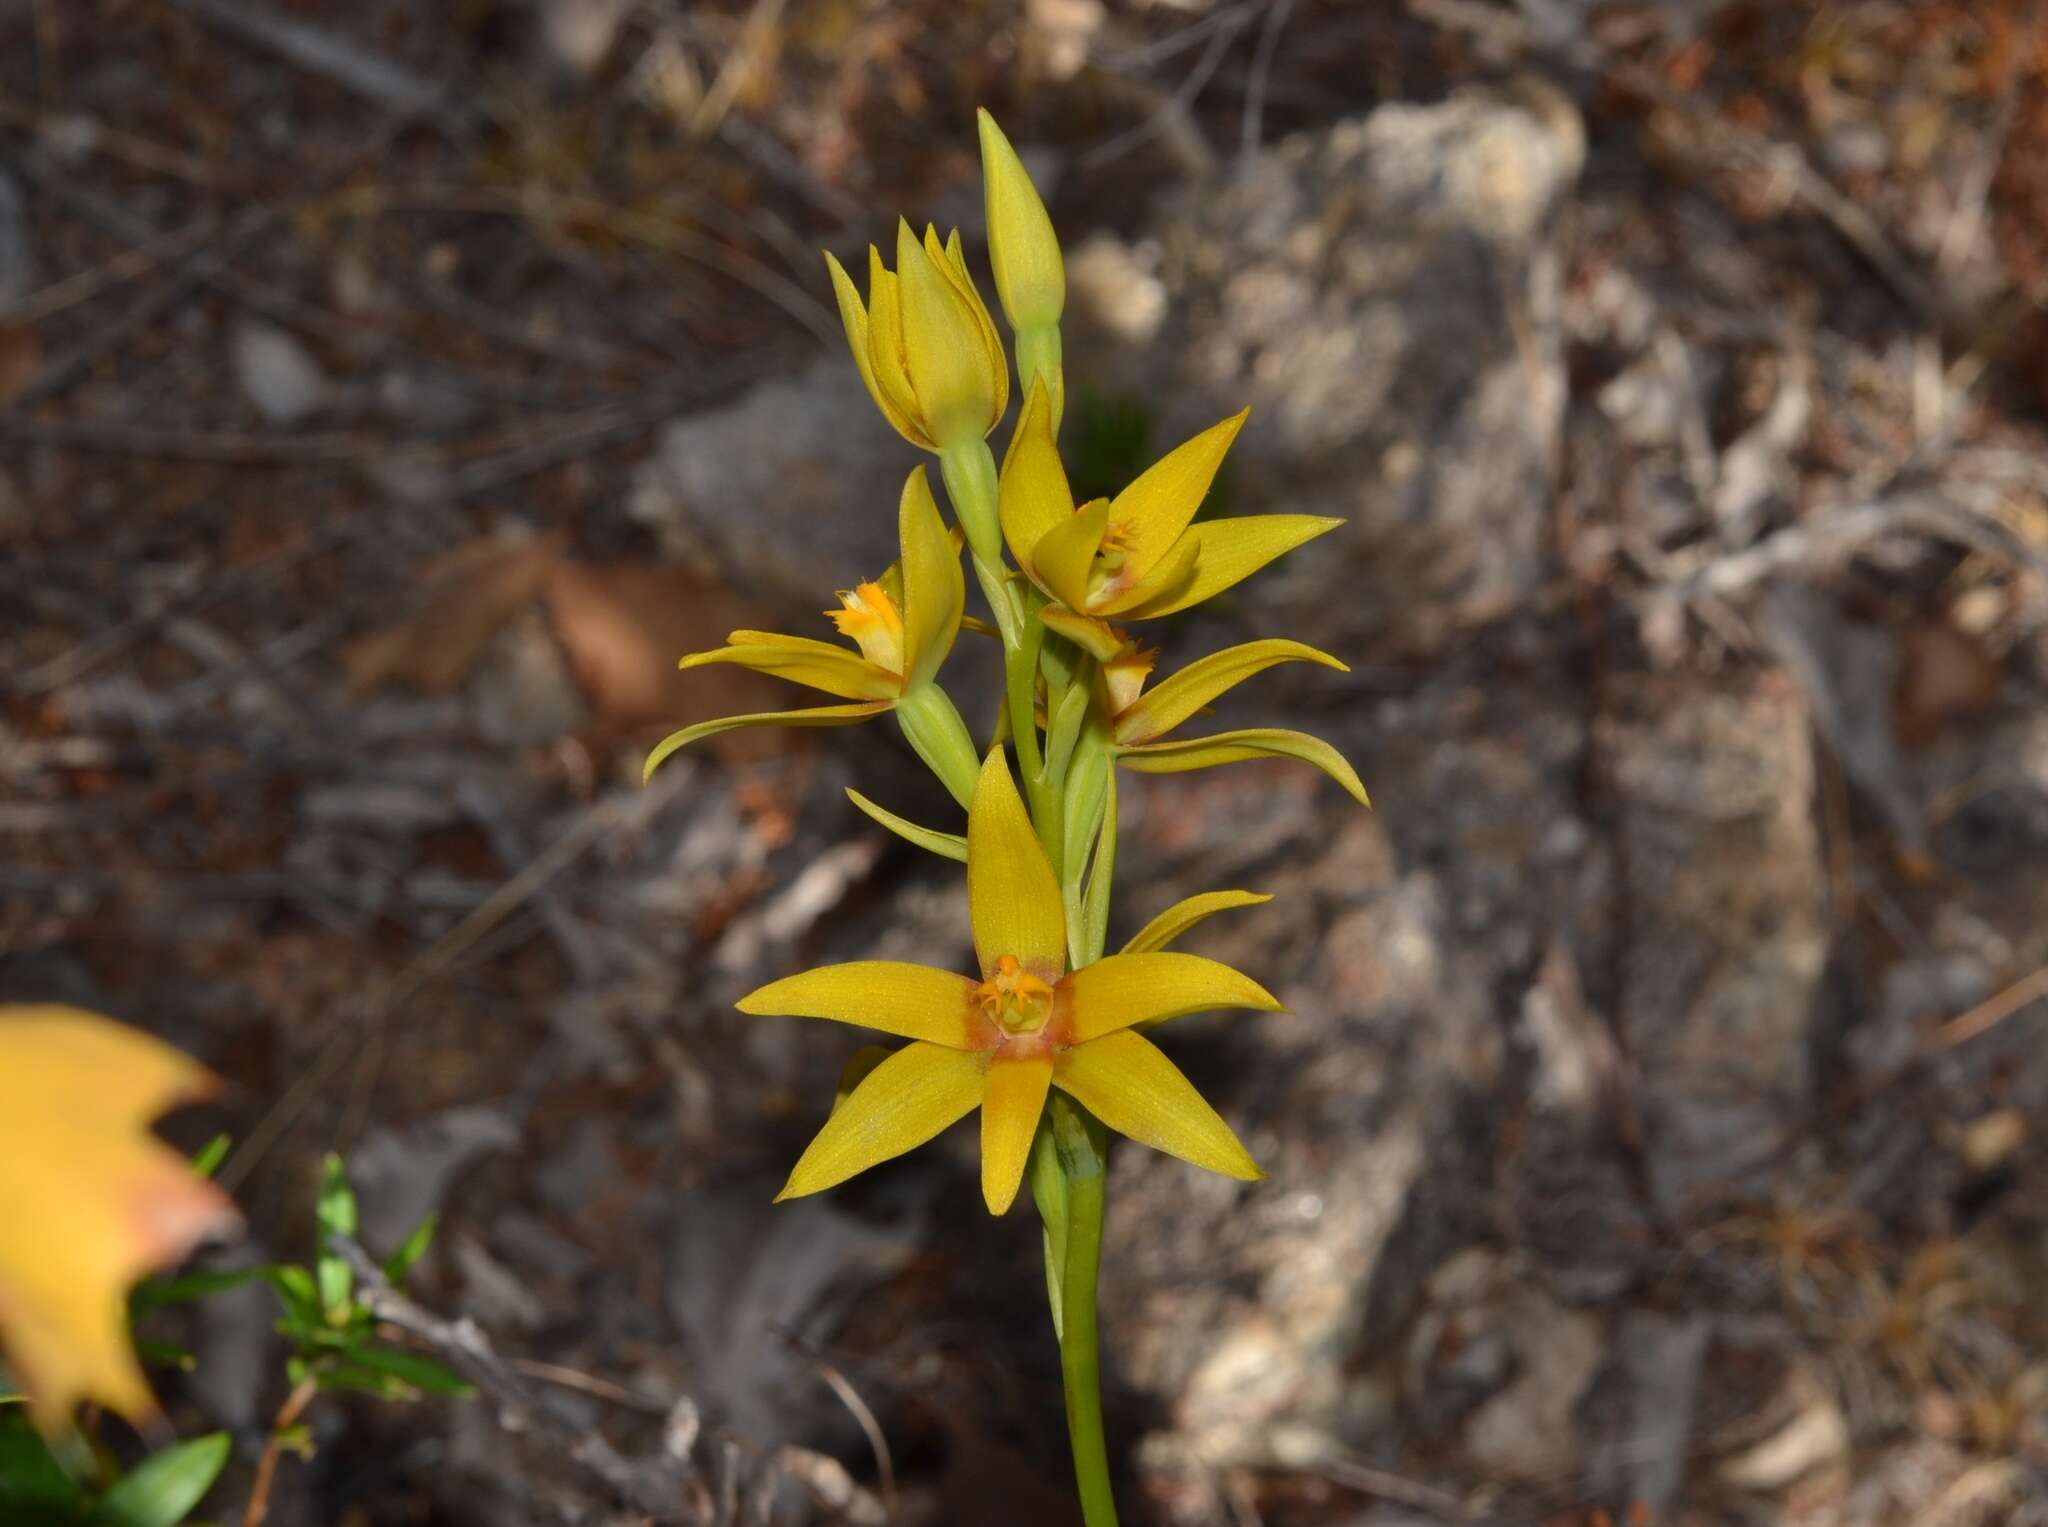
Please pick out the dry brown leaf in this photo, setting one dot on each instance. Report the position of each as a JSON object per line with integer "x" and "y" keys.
{"x": 624, "y": 626}
{"x": 89, "y": 1201}
{"x": 465, "y": 599}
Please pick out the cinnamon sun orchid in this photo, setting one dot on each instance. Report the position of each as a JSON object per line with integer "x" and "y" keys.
{"x": 903, "y": 623}
{"x": 1026, "y": 1026}
{"x": 1140, "y": 554}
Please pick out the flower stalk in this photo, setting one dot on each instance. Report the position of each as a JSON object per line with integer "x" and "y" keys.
{"x": 1048, "y": 1041}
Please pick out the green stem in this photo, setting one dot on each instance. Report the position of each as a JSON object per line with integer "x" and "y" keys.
{"x": 1082, "y": 1143}
{"x": 969, "y": 471}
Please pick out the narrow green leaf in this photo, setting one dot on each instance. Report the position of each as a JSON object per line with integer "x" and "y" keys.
{"x": 947, "y": 845}
{"x": 1049, "y": 1190}
{"x": 162, "y": 1354}
{"x": 413, "y": 1370}
{"x": 1095, "y": 905}
{"x": 162, "y": 1490}
{"x": 211, "y": 1155}
{"x": 337, "y": 1216}
{"x": 295, "y": 1290}
{"x": 401, "y": 1262}
{"x": 156, "y": 1292}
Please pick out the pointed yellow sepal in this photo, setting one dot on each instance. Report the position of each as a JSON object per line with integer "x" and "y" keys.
{"x": 90, "y": 1200}
{"x": 934, "y": 588}
{"x": 894, "y": 996}
{"x": 820, "y": 715}
{"x": 1013, "y": 897}
{"x": 903, "y": 1102}
{"x": 1154, "y": 713}
{"x": 1127, "y": 1083}
{"x": 1224, "y": 554}
{"x": 1180, "y": 754}
{"x": 1125, "y": 989}
{"x": 1177, "y": 919}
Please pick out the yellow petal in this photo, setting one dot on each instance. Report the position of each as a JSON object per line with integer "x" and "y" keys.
{"x": 804, "y": 661}
{"x": 894, "y": 996}
{"x": 1153, "y": 511}
{"x": 886, "y": 353}
{"x": 1126, "y": 1082}
{"x": 934, "y": 589}
{"x": 942, "y": 347}
{"x": 822, "y": 715}
{"x": 89, "y": 1201}
{"x": 1231, "y": 551}
{"x": 1183, "y": 915}
{"x": 947, "y": 845}
{"x": 1031, "y": 279}
{"x": 1013, "y": 1098}
{"x": 1013, "y": 897}
{"x": 1124, "y": 989}
{"x": 1180, "y": 696}
{"x": 954, "y": 265}
{"x": 855, "y": 317}
{"x": 904, "y": 1101}
{"x": 1033, "y": 498}
{"x": 1061, "y": 561}
{"x": 1180, "y": 754}
{"x": 1095, "y": 637}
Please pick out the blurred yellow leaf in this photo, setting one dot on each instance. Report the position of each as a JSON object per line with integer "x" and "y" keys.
{"x": 89, "y": 1200}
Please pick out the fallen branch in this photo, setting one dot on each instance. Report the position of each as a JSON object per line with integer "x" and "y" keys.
{"x": 668, "y": 1484}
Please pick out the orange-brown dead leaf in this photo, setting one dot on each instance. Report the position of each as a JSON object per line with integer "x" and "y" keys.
{"x": 467, "y": 597}
{"x": 90, "y": 1200}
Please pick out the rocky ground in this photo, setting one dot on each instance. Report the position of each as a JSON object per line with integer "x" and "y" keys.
{"x": 1653, "y": 1129}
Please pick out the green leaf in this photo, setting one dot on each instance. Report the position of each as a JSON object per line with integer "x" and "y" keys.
{"x": 1049, "y": 1189}
{"x": 401, "y": 1261}
{"x": 34, "y": 1489}
{"x": 211, "y": 1155}
{"x": 162, "y": 1490}
{"x": 156, "y": 1292}
{"x": 337, "y": 1216}
{"x": 947, "y": 845}
{"x": 413, "y": 1370}
{"x": 163, "y": 1355}
{"x": 296, "y": 1292}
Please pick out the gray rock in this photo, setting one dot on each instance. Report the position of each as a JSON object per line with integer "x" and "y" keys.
{"x": 277, "y": 374}
{"x": 1728, "y": 921}
{"x": 402, "y": 1175}
{"x": 792, "y": 489}
{"x": 1381, "y": 296}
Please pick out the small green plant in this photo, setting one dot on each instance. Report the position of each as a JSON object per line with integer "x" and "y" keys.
{"x": 71, "y": 1479}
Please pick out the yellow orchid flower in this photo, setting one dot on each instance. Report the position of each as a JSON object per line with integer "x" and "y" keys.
{"x": 1028, "y": 1025}
{"x": 924, "y": 341}
{"x": 904, "y": 624}
{"x": 1138, "y": 555}
{"x": 90, "y": 1200}
{"x": 1139, "y": 719}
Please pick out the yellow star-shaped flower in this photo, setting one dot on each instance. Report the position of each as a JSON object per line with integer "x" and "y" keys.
{"x": 1027, "y": 1025}
{"x": 1138, "y": 555}
{"x": 904, "y": 624}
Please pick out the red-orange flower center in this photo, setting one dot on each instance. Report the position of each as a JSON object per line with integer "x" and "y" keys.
{"x": 1013, "y": 999}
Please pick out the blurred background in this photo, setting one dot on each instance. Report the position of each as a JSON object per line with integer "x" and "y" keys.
{"x": 390, "y": 393}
